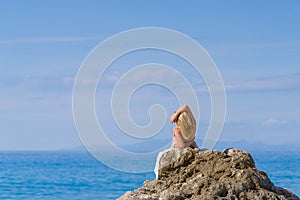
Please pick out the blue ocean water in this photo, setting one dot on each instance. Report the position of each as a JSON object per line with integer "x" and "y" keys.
{"x": 77, "y": 175}
{"x": 283, "y": 168}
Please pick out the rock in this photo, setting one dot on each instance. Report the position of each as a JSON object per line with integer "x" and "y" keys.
{"x": 207, "y": 174}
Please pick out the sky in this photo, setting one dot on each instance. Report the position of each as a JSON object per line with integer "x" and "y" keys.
{"x": 254, "y": 44}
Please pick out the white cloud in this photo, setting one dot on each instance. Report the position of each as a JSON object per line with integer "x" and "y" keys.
{"x": 272, "y": 122}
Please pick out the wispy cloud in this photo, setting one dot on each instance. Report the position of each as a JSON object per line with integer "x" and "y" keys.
{"x": 272, "y": 122}
{"x": 266, "y": 84}
{"x": 35, "y": 94}
{"x": 268, "y": 45}
{"x": 286, "y": 82}
{"x": 39, "y": 83}
{"x": 47, "y": 40}
{"x": 63, "y": 83}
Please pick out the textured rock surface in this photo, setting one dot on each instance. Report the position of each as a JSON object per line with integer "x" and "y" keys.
{"x": 206, "y": 174}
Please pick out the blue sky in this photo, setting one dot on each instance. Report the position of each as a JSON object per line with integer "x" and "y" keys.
{"x": 255, "y": 44}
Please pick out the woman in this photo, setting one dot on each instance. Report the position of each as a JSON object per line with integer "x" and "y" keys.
{"x": 184, "y": 132}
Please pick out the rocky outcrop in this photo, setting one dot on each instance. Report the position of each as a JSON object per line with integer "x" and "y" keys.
{"x": 207, "y": 174}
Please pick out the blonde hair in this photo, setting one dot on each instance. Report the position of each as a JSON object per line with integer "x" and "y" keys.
{"x": 187, "y": 126}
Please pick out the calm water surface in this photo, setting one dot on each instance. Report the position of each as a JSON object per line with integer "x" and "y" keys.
{"x": 77, "y": 175}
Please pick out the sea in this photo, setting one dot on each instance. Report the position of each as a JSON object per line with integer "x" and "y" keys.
{"x": 78, "y": 175}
